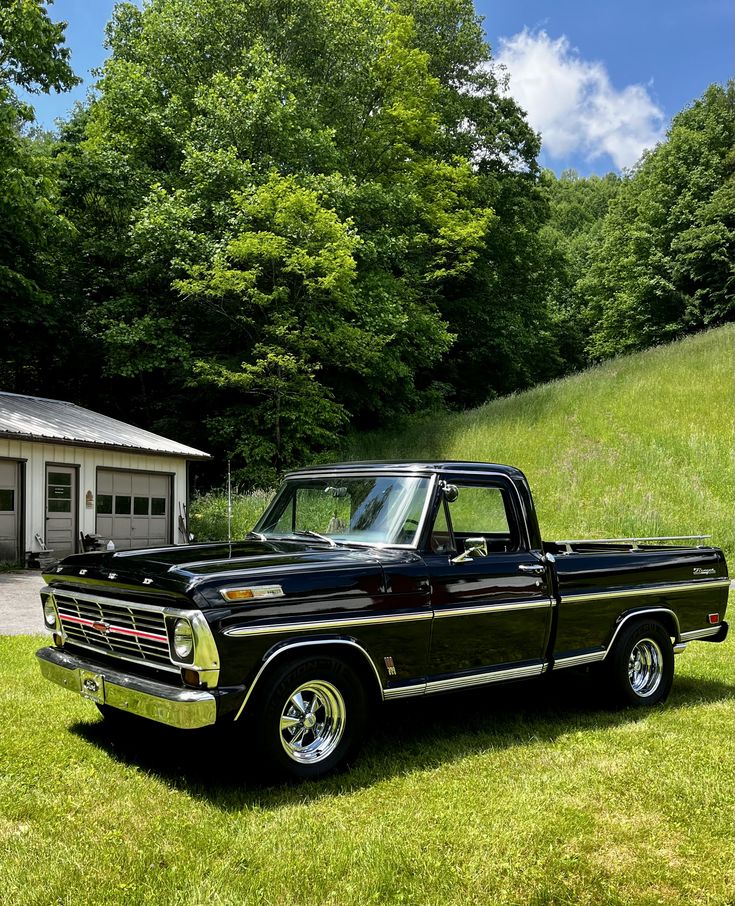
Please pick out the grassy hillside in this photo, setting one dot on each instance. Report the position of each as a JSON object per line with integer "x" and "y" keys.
{"x": 641, "y": 445}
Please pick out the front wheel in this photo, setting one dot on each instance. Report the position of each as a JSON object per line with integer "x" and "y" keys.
{"x": 641, "y": 666}
{"x": 311, "y": 719}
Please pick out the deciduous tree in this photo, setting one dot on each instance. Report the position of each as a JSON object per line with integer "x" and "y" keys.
{"x": 34, "y": 58}
{"x": 666, "y": 258}
{"x": 320, "y": 183}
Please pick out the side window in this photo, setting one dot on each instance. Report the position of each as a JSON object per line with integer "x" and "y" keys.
{"x": 484, "y": 511}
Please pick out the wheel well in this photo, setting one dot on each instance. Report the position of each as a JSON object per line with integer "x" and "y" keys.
{"x": 344, "y": 649}
{"x": 670, "y": 624}
{"x": 667, "y": 619}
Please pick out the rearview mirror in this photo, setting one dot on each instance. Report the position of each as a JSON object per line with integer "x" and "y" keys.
{"x": 335, "y": 492}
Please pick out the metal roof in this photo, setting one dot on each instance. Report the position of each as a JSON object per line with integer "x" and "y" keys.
{"x": 56, "y": 421}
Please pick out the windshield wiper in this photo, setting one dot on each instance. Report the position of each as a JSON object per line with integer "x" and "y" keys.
{"x": 329, "y": 541}
{"x": 259, "y": 536}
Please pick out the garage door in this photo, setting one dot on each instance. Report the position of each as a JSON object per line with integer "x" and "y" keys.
{"x": 133, "y": 508}
{"x": 9, "y": 503}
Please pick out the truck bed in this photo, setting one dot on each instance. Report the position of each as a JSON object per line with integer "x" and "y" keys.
{"x": 597, "y": 582}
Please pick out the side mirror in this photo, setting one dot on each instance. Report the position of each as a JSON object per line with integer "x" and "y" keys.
{"x": 473, "y": 547}
{"x": 451, "y": 492}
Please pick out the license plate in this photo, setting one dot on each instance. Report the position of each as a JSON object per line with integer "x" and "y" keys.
{"x": 92, "y": 686}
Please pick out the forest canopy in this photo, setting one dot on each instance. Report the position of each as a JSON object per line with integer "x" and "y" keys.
{"x": 275, "y": 222}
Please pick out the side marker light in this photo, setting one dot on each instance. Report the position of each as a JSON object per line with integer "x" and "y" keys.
{"x": 256, "y": 591}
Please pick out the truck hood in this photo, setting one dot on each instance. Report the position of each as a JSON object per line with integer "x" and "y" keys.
{"x": 193, "y": 569}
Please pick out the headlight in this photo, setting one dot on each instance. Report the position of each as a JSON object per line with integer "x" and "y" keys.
{"x": 49, "y": 612}
{"x": 183, "y": 639}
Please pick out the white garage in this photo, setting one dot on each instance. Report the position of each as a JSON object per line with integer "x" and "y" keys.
{"x": 67, "y": 472}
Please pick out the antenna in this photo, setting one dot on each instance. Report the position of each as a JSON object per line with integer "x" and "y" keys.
{"x": 229, "y": 503}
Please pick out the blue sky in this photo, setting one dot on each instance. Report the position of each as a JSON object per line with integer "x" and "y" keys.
{"x": 599, "y": 80}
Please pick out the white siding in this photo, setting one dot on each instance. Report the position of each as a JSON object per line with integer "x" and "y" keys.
{"x": 88, "y": 460}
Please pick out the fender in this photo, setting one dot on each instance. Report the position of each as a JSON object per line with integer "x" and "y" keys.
{"x": 593, "y": 657}
{"x": 284, "y": 647}
{"x": 638, "y": 613}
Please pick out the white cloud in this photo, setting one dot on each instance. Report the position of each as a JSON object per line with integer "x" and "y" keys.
{"x": 573, "y": 104}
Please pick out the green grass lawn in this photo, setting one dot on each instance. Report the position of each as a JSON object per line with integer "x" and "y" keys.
{"x": 527, "y": 794}
{"x": 641, "y": 445}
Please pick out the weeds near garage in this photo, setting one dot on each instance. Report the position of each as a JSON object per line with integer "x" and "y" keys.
{"x": 208, "y": 514}
{"x": 9, "y": 566}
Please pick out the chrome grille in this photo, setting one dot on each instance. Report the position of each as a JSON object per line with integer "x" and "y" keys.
{"x": 134, "y": 632}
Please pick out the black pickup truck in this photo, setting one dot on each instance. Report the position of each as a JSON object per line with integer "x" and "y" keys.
{"x": 364, "y": 582}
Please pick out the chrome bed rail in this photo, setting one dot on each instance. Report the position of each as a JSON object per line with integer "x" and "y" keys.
{"x": 633, "y": 542}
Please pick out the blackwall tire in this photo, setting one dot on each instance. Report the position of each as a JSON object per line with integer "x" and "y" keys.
{"x": 310, "y": 719}
{"x": 640, "y": 669}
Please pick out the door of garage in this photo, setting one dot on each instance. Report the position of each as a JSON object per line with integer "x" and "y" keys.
{"x": 9, "y": 505}
{"x": 133, "y": 508}
{"x": 61, "y": 509}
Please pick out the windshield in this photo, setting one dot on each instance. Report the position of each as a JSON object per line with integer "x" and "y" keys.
{"x": 374, "y": 510}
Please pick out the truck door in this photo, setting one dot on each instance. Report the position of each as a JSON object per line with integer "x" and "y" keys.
{"x": 492, "y": 608}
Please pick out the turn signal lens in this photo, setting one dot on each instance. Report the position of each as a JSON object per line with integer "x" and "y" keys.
{"x": 183, "y": 639}
{"x": 238, "y": 594}
{"x": 190, "y": 677}
{"x": 714, "y": 618}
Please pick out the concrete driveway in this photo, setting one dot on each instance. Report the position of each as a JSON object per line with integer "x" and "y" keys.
{"x": 20, "y": 606}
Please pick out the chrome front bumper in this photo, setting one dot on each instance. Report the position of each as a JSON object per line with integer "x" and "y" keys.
{"x": 186, "y": 709}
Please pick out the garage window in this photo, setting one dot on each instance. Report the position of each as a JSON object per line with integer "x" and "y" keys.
{"x": 104, "y": 504}
{"x": 7, "y": 500}
{"x": 158, "y": 506}
{"x": 59, "y": 492}
{"x": 122, "y": 505}
{"x": 140, "y": 506}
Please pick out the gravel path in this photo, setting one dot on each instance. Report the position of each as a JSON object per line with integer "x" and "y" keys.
{"x": 20, "y": 606}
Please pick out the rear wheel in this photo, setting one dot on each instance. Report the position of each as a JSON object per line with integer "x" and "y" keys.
{"x": 311, "y": 719}
{"x": 641, "y": 666}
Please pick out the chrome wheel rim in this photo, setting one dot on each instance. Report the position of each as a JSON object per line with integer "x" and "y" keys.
{"x": 645, "y": 667}
{"x": 312, "y": 722}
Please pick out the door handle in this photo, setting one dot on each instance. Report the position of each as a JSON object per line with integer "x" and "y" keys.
{"x": 536, "y": 569}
